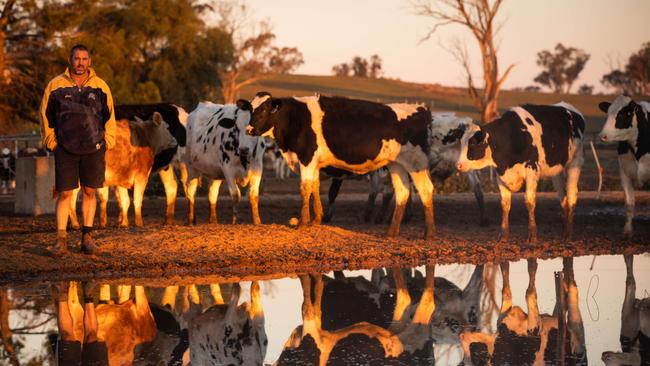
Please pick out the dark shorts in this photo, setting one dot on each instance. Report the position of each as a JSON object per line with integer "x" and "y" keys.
{"x": 70, "y": 353}
{"x": 72, "y": 169}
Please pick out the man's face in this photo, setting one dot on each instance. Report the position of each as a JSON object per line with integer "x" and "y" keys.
{"x": 80, "y": 62}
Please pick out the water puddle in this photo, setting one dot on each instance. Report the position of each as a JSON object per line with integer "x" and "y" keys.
{"x": 514, "y": 313}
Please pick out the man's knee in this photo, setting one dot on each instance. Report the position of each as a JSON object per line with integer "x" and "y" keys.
{"x": 88, "y": 191}
{"x": 64, "y": 195}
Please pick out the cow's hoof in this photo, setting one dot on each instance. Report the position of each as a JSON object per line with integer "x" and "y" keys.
{"x": 503, "y": 238}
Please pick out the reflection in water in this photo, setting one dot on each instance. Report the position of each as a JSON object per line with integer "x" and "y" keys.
{"x": 635, "y": 325}
{"x": 388, "y": 316}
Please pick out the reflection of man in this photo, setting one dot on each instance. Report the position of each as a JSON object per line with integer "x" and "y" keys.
{"x": 78, "y": 124}
{"x": 69, "y": 349}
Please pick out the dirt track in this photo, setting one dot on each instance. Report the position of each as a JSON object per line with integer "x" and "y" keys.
{"x": 275, "y": 249}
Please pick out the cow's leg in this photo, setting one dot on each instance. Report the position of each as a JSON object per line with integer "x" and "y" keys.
{"x": 256, "y": 311}
{"x": 138, "y": 196}
{"x": 123, "y": 293}
{"x": 306, "y": 184}
{"x": 400, "y": 181}
{"x": 574, "y": 319}
{"x": 74, "y": 220}
{"x": 213, "y": 196}
{"x": 506, "y": 199}
{"x": 235, "y": 197}
{"x": 375, "y": 181}
{"x": 122, "y": 195}
{"x": 630, "y": 321}
{"x": 215, "y": 291}
{"x": 192, "y": 185}
{"x": 318, "y": 206}
{"x": 103, "y": 202}
{"x": 475, "y": 185}
{"x": 183, "y": 170}
{"x": 472, "y": 296}
{"x": 427, "y": 304}
{"x": 627, "y": 181}
{"x": 386, "y": 198}
{"x": 573, "y": 175}
{"x": 333, "y": 192}
{"x": 171, "y": 189}
{"x": 146, "y": 329}
{"x": 105, "y": 294}
{"x": 506, "y": 292}
{"x": 531, "y": 297}
{"x": 254, "y": 195}
{"x": 169, "y": 297}
{"x": 530, "y": 196}
{"x": 423, "y": 184}
{"x": 403, "y": 299}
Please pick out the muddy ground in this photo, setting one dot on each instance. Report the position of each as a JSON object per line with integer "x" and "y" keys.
{"x": 275, "y": 249}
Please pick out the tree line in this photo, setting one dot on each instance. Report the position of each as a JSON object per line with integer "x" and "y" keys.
{"x": 148, "y": 51}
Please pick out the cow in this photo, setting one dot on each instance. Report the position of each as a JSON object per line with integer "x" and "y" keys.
{"x": 229, "y": 334}
{"x": 219, "y": 148}
{"x": 408, "y": 340}
{"x": 529, "y": 339}
{"x": 175, "y": 118}
{"x": 350, "y": 134}
{"x": 525, "y": 144}
{"x": 635, "y": 325}
{"x": 628, "y": 123}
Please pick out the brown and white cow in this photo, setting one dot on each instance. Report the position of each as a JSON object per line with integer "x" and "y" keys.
{"x": 350, "y": 134}
{"x": 635, "y": 325}
{"x": 219, "y": 148}
{"x": 628, "y": 123}
{"x": 408, "y": 339}
{"x": 529, "y": 339}
{"x": 525, "y": 144}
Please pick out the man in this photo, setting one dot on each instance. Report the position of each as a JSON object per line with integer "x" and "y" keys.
{"x": 78, "y": 125}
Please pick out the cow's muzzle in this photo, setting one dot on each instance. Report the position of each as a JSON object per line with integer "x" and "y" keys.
{"x": 603, "y": 138}
{"x": 461, "y": 166}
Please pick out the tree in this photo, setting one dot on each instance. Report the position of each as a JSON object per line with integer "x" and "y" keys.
{"x": 254, "y": 57}
{"x": 636, "y": 77}
{"x": 562, "y": 68}
{"x": 586, "y": 89}
{"x": 359, "y": 67}
{"x": 375, "y": 66}
{"x": 342, "y": 69}
{"x": 478, "y": 16}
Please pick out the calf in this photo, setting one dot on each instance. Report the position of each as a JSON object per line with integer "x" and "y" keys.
{"x": 354, "y": 135}
{"x": 219, "y": 148}
{"x": 628, "y": 122}
{"x": 175, "y": 118}
{"x": 525, "y": 144}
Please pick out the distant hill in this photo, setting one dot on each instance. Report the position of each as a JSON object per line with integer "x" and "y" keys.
{"x": 437, "y": 97}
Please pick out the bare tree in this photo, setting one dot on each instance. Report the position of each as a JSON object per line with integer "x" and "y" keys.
{"x": 254, "y": 56}
{"x": 478, "y": 16}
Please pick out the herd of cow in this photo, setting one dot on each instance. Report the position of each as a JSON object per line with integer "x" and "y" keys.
{"x": 347, "y": 137}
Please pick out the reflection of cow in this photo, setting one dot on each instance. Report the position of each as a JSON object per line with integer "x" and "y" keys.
{"x": 635, "y": 326}
{"x": 164, "y": 157}
{"x": 628, "y": 123}
{"x": 407, "y": 340}
{"x": 355, "y": 135}
{"x": 528, "y": 339}
{"x": 228, "y": 334}
{"x": 220, "y": 149}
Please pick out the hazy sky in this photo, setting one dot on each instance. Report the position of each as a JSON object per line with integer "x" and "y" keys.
{"x": 333, "y": 31}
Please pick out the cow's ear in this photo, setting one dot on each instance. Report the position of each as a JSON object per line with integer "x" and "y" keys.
{"x": 245, "y": 105}
{"x": 276, "y": 104}
{"x": 157, "y": 118}
{"x": 604, "y": 106}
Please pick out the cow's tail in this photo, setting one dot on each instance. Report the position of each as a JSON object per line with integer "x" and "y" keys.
{"x": 600, "y": 169}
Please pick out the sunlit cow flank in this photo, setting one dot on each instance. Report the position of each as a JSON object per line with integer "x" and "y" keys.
{"x": 175, "y": 118}
{"x": 219, "y": 148}
{"x": 407, "y": 341}
{"x": 635, "y": 325}
{"x": 529, "y": 339}
{"x": 527, "y": 143}
{"x": 354, "y": 135}
{"x": 229, "y": 334}
{"x": 628, "y": 123}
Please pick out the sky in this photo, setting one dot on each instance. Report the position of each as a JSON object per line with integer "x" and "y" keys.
{"x": 333, "y": 31}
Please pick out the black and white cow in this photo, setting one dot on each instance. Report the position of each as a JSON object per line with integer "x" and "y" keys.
{"x": 355, "y": 135}
{"x": 219, "y": 148}
{"x": 628, "y": 122}
{"x": 525, "y": 144}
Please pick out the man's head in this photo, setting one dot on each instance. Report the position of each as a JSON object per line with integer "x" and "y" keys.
{"x": 79, "y": 60}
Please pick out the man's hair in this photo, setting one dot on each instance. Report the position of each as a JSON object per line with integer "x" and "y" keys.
{"x": 78, "y": 47}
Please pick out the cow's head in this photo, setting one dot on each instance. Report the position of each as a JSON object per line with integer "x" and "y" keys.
{"x": 265, "y": 114}
{"x": 157, "y": 133}
{"x": 622, "y": 119}
{"x": 475, "y": 152}
{"x": 243, "y": 117}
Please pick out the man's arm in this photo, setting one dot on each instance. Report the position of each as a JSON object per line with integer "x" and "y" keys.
{"x": 109, "y": 118}
{"x": 48, "y": 120}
